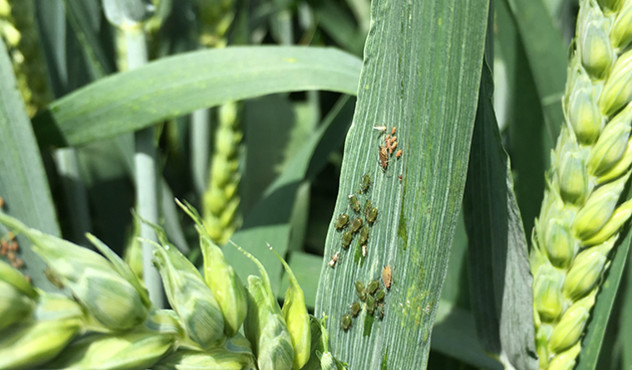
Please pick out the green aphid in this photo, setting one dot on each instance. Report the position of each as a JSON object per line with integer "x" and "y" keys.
{"x": 342, "y": 221}
{"x": 370, "y": 214}
{"x": 367, "y": 206}
{"x": 356, "y": 224}
{"x": 347, "y": 237}
{"x": 380, "y": 311}
{"x": 355, "y": 309}
{"x": 372, "y": 287}
{"x": 355, "y": 203}
{"x": 365, "y": 183}
{"x": 345, "y": 322}
{"x": 379, "y": 295}
{"x": 370, "y": 305}
{"x": 360, "y": 290}
{"x": 364, "y": 235}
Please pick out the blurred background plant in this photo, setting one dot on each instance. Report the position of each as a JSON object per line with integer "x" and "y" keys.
{"x": 263, "y": 137}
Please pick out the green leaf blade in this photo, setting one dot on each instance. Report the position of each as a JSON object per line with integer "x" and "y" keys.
{"x": 177, "y": 85}
{"x": 421, "y": 74}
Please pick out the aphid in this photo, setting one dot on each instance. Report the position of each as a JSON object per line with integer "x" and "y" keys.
{"x": 372, "y": 287}
{"x": 398, "y": 154}
{"x": 356, "y": 224}
{"x": 355, "y": 309}
{"x": 370, "y": 305}
{"x": 399, "y": 177}
{"x": 383, "y": 155}
{"x": 354, "y": 202}
{"x": 365, "y": 183}
{"x": 380, "y": 128}
{"x": 364, "y": 250}
{"x": 380, "y": 311}
{"x": 360, "y": 291}
{"x": 367, "y": 205}
{"x": 1, "y": 202}
{"x": 364, "y": 235}
{"x": 347, "y": 237}
{"x": 393, "y": 131}
{"x": 334, "y": 259}
{"x": 371, "y": 215}
{"x": 379, "y": 295}
{"x": 345, "y": 322}
{"x": 386, "y": 276}
{"x": 393, "y": 146}
{"x": 342, "y": 221}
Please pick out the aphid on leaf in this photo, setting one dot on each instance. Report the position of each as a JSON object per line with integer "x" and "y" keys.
{"x": 356, "y": 224}
{"x": 355, "y": 309}
{"x": 370, "y": 305}
{"x": 365, "y": 183}
{"x": 334, "y": 259}
{"x": 364, "y": 236}
{"x": 345, "y": 322}
{"x": 347, "y": 237}
{"x": 364, "y": 250}
{"x": 393, "y": 131}
{"x": 379, "y": 295}
{"x": 398, "y": 154}
{"x": 371, "y": 215}
{"x": 380, "y": 128}
{"x": 400, "y": 177}
{"x": 1, "y": 202}
{"x": 372, "y": 287}
{"x": 386, "y": 276}
{"x": 380, "y": 311}
{"x": 341, "y": 221}
{"x": 354, "y": 202}
{"x": 383, "y": 156}
{"x": 360, "y": 290}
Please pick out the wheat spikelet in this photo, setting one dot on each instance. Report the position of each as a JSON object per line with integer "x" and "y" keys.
{"x": 19, "y": 31}
{"x": 582, "y": 212}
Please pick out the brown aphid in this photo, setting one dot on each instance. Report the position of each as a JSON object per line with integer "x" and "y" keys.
{"x": 1, "y": 202}
{"x": 398, "y": 154}
{"x": 18, "y": 263}
{"x": 399, "y": 177}
{"x": 334, "y": 259}
{"x": 387, "y": 276}
{"x": 393, "y": 131}
{"x": 383, "y": 154}
{"x": 13, "y": 246}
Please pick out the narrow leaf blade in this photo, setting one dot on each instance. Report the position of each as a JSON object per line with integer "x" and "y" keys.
{"x": 421, "y": 73}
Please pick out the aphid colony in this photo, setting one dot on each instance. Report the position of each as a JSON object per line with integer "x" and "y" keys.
{"x": 9, "y": 246}
{"x": 357, "y": 225}
{"x": 388, "y": 148}
{"x": 371, "y": 299}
